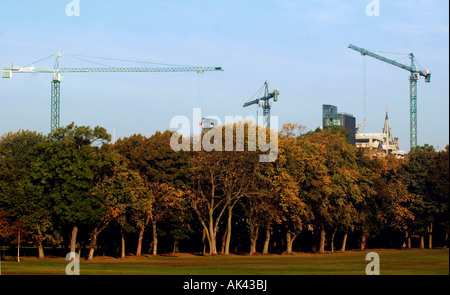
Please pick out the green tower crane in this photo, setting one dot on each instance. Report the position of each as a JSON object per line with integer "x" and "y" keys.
{"x": 264, "y": 103}
{"x": 414, "y": 77}
{"x": 57, "y": 77}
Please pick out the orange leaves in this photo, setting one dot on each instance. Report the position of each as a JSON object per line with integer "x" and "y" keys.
{"x": 167, "y": 200}
{"x": 291, "y": 130}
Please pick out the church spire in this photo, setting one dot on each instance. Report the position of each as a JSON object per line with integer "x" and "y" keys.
{"x": 387, "y": 130}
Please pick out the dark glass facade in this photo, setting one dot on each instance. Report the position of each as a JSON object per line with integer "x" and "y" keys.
{"x": 330, "y": 117}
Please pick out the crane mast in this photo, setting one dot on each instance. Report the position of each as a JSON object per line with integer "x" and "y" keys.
{"x": 57, "y": 78}
{"x": 413, "y": 78}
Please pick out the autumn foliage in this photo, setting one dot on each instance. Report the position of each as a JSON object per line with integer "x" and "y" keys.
{"x": 73, "y": 187}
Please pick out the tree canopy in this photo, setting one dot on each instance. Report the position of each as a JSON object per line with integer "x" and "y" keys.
{"x": 141, "y": 193}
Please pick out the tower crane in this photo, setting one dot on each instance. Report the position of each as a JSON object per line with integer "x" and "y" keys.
{"x": 57, "y": 72}
{"x": 264, "y": 103}
{"x": 414, "y": 77}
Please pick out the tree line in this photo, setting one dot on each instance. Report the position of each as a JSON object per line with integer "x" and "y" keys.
{"x": 74, "y": 189}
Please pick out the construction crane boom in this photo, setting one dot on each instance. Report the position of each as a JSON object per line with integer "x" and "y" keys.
{"x": 414, "y": 77}
{"x": 264, "y": 103}
{"x": 106, "y": 70}
{"x": 256, "y": 101}
{"x": 57, "y": 77}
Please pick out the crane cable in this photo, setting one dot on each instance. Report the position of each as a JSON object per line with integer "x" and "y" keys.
{"x": 132, "y": 61}
{"x": 257, "y": 94}
{"x": 200, "y": 89}
{"x": 364, "y": 90}
{"x": 80, "y": 57}
{"x": 90, "y": 61}
{"x": 40, "y": 60}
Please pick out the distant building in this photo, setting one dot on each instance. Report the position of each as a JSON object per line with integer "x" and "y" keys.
{"x": 208, "y": 123}
{"x": 380, "y": 144}
{"x": 330, "y": 117}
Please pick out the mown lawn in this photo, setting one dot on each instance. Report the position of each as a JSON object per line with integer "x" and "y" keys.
{"x": 392, "y": 262}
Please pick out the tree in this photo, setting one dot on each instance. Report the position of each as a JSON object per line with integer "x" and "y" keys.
{"x": 167, "y": 202}
{"x": 239, "y": 173}
{"x": 342, "y": 201}
{"x": 67, "y": 170}
{"x": 124, "y": 196}
{"x": 23, "y": 202}
{"x": 414, "y": 175}
{"x": 365, "y": 215}
{"x": 164, "y": 171}
{"x": 289, "y": 174}
{"x": 223, "y": 176}
{"x": 331, "y": 177}
{"x": 205, "y": 196}
{"x": 437, "y": 187}
{"x": 261, "y": 207}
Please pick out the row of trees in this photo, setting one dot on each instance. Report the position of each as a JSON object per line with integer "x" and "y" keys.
{"x": 74, "y": 187}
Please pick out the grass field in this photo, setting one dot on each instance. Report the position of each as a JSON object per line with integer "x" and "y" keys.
{"x": 392, "y": 262}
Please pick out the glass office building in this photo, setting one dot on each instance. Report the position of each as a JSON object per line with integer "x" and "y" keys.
{"x": 331, "y": 117}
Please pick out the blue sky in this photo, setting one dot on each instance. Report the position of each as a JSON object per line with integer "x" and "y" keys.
{"x": 300, "y": 47}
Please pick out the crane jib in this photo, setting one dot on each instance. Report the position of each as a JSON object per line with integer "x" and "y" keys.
{"x": 7, "y": 71}
{"x": 57, "y": 77}
{"x": 174, "y": 69}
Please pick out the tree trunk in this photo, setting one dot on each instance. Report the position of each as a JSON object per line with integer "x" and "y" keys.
{"x": 364, "y": 239}
{"x": 175, "y": 247}
{"x": 289, "y": 242}
{"x": 228, "y": 232}
{"x": 18, "y": 245}
{"x": 212, "y": 244}
{"x": 203, "y": 241}
{"x": 73, "y": 242}
{"x": 155, "y": 239}
{"x": 408, "y": 238}
{"x": 422, "y": 244}
{"x": 140, "y": 238}
{"x": 93, "y": 244}
{"x": 91, "y": 254}
{"x": 446, "y": 239}
{"x": 332, "y": 240}
{"x": 224, "y": 238}
{"x": 122, "y": 254}
{"x": 253, "y": 239}
{"x": 212, "y": 235}
{"x": 344, "y": 242}
{"x": 41, "y": 250}
{"x": 40, "y": 247}
{"x": 266, "y": 242}
{"x": 430, "y": 236}
{"x": 322, "y": 240}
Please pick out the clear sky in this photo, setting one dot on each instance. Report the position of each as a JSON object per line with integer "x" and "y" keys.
{"x": 300, "y": 47}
